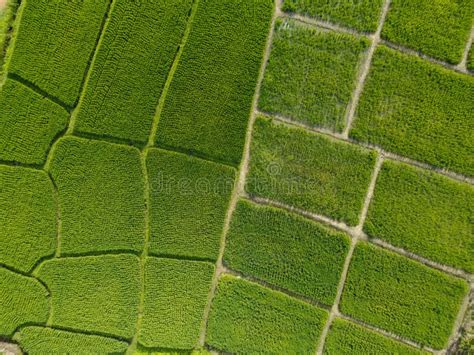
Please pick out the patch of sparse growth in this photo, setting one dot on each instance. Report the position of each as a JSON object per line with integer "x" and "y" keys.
{"x": 309, "y": 171}
{"x": 402, "y": 296}
{"x": 209, "y": 101}
{"x": 425, "y": 213}
{"x": 248, "y": 318}
{"x": 311, "y": 74}
{"x": 419, "y": 110}
{"x": 286, "y": 250}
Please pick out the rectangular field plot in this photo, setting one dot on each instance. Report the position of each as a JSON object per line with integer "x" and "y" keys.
{"x": 23, "y": 300}
{"x": 311, "y": 74}
{"x": 349, "y": 338}
{"x": 42, "y": 340}
{"x": 402, "y": 296}
{"x": 286, "y": 250}
{"x": 417, "y": 109}
{"x": 362, "y": 15}
{"x": 101, "y": 196}
{"x": 437, "y": 28}
{"x": 28, "y": 214}
{"x": 247, "y": 318}
{"x": 189, "y": 198}
{"x": 209, "y": 101}
{"x": 54, "y": 42}
{"x": 176, "y": 293}
{"x": 28, "y": 124}
{"x": 425, "y": 213}
{"x": 131, "y": 66}
{"x": 94, "y": 293}
{"x": 309, "y": 171}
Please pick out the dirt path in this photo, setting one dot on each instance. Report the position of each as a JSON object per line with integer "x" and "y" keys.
{"x": 3, "y": 3}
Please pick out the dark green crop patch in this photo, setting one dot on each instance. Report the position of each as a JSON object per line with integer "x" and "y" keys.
{"x": 189, "y": 198}
{"x": 37, "y": 340}
{"x": 53, "y": 42}
{"x": 286, "y": 250}
{"x": 131, "y": 66}
{"x": 28, "y": 124}
{"x": 209, "y": 101}
{"x": 437, "y": 28}
{"x": 247, "y": 318}
{"x": 402, "y": 296}
{"x": 345, "y": 337}
{"x": 309, "y": 171}
{"x": 311, "y": 74}
{"x": 101, "y": 196}
{"x": 94, "y": 293}
{"x": 425, "y": 213}
{"x": 27, "y": 217}
{"x": 22, "y": 300}
{"x": 176, "y": 293}
{"x": 418, "y": 109}
{"x": 362, "y": 15}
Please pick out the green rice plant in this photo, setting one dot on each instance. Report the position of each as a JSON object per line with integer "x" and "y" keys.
{"x": 22, "y": 300}
{"x": 150, "y": 351}
{"x": 101, "y": 195}
{"x": 470, "y": 59}
{"x": 176, "y": 293}
{"x": 362, "y": 15}
{"x": 53, "y": 42}
{"x": 41, "y": 340}
{"x": 418, "y": 109}
{"x": 28, "y": 124}
{"x": 7, "y": 14}
{"x": 130, "y": 69}
{"x": 309, "y": 171}
{"x": 94, "y": 293}
{"x": 286, "y": 250}
{"x": 402, "y": 296}
{"x": 349, "y": 338}
{"x": 437, "y": 28}
{"x": 247, "y": 318}
{"x": 311, "y": 73}
{"x": 209, "y": 101}
{"x": 27, "y": 217}
{"x": 425, "y": 213}
{"x": 189, "y": 198}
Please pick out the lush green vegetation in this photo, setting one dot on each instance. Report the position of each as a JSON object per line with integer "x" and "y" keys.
{"x": 425, "y": 213}
{"x": 247, "y": 318}
{"x": 27, "y": 212}
{"x": 28, "y": 124}
{"x": 470, "y": 60}
{"x": 94, "y": 293}
{"x": 349, "y": 338}
{"x": 22, "y": 300}
{"x": 53, "y": 42}
{"x": 286, "y": 250}
{"x": 438, "y": 28}
{"x": 419, "y": 110}
{"x": 402, "y": 296}
{"x": 101, "y": 195}
{"x": 311, "y": 74}
{"x": 210, "y": 98}
{"x": 176, "y": 293}
{"x": 7, "y": 14}
{"x": 309, "y": 171}
{"x": 188, "y": 203}
{"x": 40, "y": 340}
{"x": 362, "y": 15}
{"x": 131, "y": 66}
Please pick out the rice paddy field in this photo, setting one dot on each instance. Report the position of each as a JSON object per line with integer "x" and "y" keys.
{"x": 236, "y": 177}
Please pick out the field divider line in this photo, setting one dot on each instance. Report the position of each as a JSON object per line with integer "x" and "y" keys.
{"x": 364, "y": 71}
{"x": 143, "y": 257}
{"x": 355, "y": 239}
{"x": 462, "y": 66}
{"x": 389, "y": 155}
{"x": 243, "y": 169}
{"x": 171, "y": 73}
